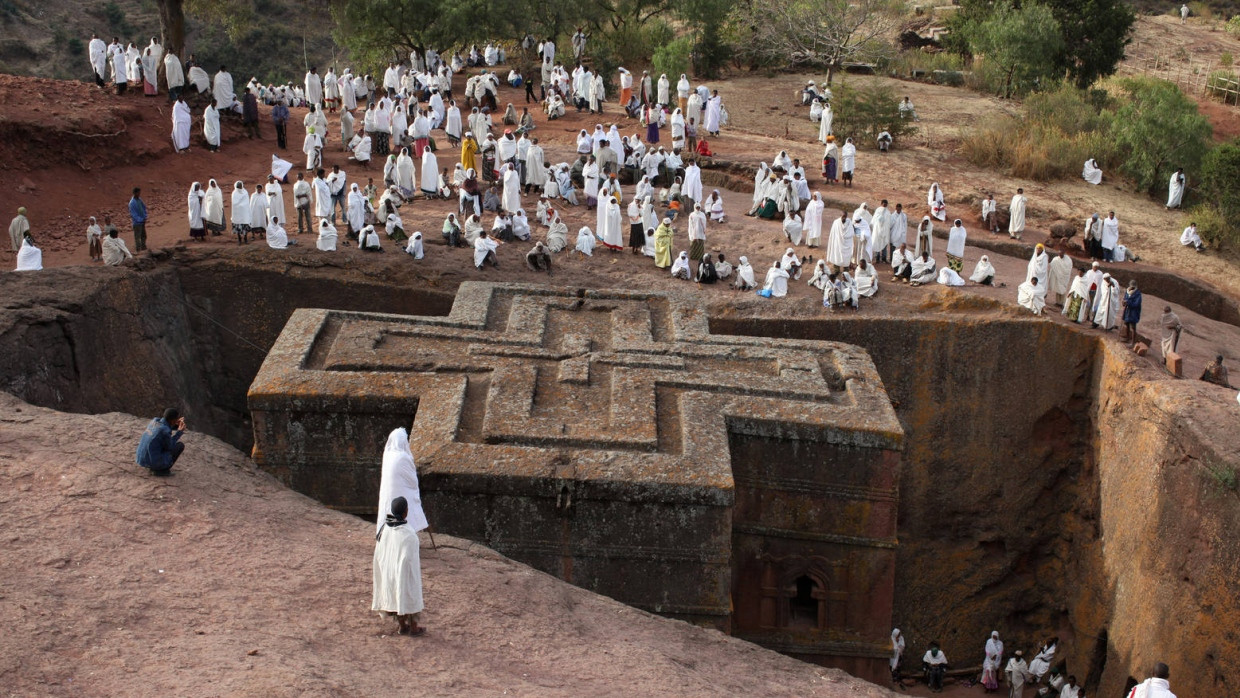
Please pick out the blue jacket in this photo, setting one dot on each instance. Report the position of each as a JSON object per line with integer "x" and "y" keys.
{"x": 137, "y": 211}
{"x": 155, "y": 448}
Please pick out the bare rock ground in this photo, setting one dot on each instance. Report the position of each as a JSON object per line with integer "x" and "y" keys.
{"x": 219, "y": 581}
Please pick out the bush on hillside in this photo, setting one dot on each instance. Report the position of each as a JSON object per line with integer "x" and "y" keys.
{"x": 866, "y": 111}
{"x": 672, "y": 59}
{"x": 1158, "y": 129}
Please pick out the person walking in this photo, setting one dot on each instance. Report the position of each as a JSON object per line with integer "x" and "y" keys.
{"x": 137, "y": 212}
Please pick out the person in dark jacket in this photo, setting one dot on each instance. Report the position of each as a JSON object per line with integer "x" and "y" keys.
{"x": 249, "y": 114}
{"x": 161, "y": 443}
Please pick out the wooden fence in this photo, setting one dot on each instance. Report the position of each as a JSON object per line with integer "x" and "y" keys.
{"x": 1194, "y": 77}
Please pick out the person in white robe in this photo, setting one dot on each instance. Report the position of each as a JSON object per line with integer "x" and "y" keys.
{"x": 240, "y": 216}
{"x": 1108, "y": 304}
{"x": 956, "y": 238}
{"x": 275, "y": 198}
{"x": 133, "y": 62}
{"x": 1038, "y": 267}
{"x": 793, "y": 227}
{"x": 355, "y": 210}
{"x": 120, "y": 75}
{"x": 1110, "y": 236}
{"x": 862, "y": 239}
{"x": 1016, "y": 213}
{"x": 557, "y": 233}
{"x": 680, "y": 267}
{"x": 368, "y": 240}
{"x": 98, "y": 53}
{"x": 714, "y": 113}
{"x": 897, "y": 652}
{"x": 1059, "y": 278}
{"x": 260, "y": 217}
{"x": 692, "y": 186}
{"x": 1091, "y": 172}
{"x": 1017, "y": 673}
{"x": 585, "y": 241}
{"x": 182, "y": 119}
{"x": 211, "y": 126}
{"x": 361, "y": 151}
{"x": 414, "y": 248}
{"x": 174, "y": 74}
{"x": 213, "y": 208}
{"x": 825, "y": 123}
{"x": 776, "y": 283}
{"x": 934, "y": 199}
{"x": 865, "y": 279}
{"x": 992, "y": 662}
{"x": 1175, "y": 189}
{"x": 430, "y": 174}
{"x": 848, "y": 162}
{"x": 397, "y": 568}
{"x": 314, "y": 87}
{"x": 821, "y": 275}
{"x": 880, "y": 226}
{"x": 840, "y": 243}
{"x": 222, "y": 90}
{"x": 714, "y": 207}
{"x": 1190, "y": 238}
{"x": 29, "y": 257}
{"x": 901, "y": 263}
{"x": 744, "y": 276}
{"x": 923, "y": 269}
{"x": 949, "y": 277}
{"x": 813, "y": 220}
{"x": 511, "y": 200}
{"x": 983, "y": 272}
{"x": 327, "y": 236}
{"x": 406, "y": 174}
{"x": 1045, "y": 657}
{"x": 277, "y": 236}
{"x": 609, "y": 224}
{"x": 925, "y": 237}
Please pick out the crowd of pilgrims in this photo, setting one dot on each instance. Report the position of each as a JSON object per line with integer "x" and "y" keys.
{"x": 413, "y": 100}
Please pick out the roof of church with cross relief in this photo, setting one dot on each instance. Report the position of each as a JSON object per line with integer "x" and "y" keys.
{"x": 609, "y": 386}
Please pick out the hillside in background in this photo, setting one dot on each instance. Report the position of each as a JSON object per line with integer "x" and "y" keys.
{"x": 48, "y": 38}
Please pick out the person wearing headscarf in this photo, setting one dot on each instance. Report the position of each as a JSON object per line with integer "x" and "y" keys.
{"x": 1131, "y": 311}
{"x": 897, "y": 652}
{"x": 277, "y": 236}
{"x": 1059, "y": 278}
{"x": 94, "y": 240}
{"x": 934, "y": 199}
{"x": 821, "y": 275}
{"x": 840, "y": 242}
{"x": 182, "y": 119}
{"x": 663, "y": 244}
{"x": 714, "y": 207}
{"x": 706, "y": 273}
{"x": 1016, "y": 216}
{"x": 368, "y": 240}
{"x": 397, "y": 566}
{"x": 949, "y": 277}
{"x": 29, "y": 257}
{"x": 392, "y": 223}
{"x": 955, "y": 246}
{"x": 848, "y": 161}
{"x": 793, "y": 226}
{"x": 831, "y": 161}
{"x": 240, "y": 217}
{"x": 984, "y": 272}
{"x": 539, "y": 258}
{"x": 697, "y": 233}
{"x": 585, "y": 241}
{"x": 992, "y": 663}
{"x": 776, "y": 283}
{"x": 1038, "y": 266}
{"x": 791, "y": 263}
{"x": 211, "y": 126}
{"x": 744, "y": 276}
{"x": 404, "y": 173}
{"x": 1175, "y": 189}
{"x": 557, "y": 233}
{"x": 1092, "y": 173}
{"x": 213, "y": 208}
{"x": 813, "y": 221}
{"x": 414, "y": 248}
{"x": 925, "y": 237}
{"x": 680, "y": 267}
{"x": 258, "y": 211}
{"x": 327, "y": 236}
{"x": 18, "y": 227}
{"x": 355, "y": 210}
{"x": 472, "y": 229}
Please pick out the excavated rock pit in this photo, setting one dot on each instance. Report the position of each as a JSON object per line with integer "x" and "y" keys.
{"x": 1050, "y": 484}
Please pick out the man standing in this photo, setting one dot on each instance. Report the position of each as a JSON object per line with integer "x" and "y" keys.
{"x": 98, "y": 59}
{"x": 1059, "y": 279}
{"x": 323, "y": 206}
{"x": 1175, "y": 189}
{"x": 301, "y": 201}
{"x": 336, "y": 183}
{"x": 161, "y": 446}
{"x": 249, "y": 114}
{"x": 18, "y": 228}
{"x": 1157, "y": 686}
{"x": 1017, "y": 671}
{"x": 1171, "y": 327}
{"x": 1110, "y": 237}
{"x": 137, "y": 212}
{"x": 1016, "y": 222}
{"x": 397, "y": 588}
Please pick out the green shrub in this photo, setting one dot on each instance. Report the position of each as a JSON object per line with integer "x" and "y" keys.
{"x": 1226, "y": 59}
{"x": 1224, "y": 85}
{"x": 1158, "y": 129}
{"x": 672, "y": 58}
{"x": 1233, "y": 25}
{"x": 1199, "y": 9}
{"x": 1220, "y": 180}
{"x": 74, "y": 46}
{"x": 632, "y": 44}
{"x": 1213, "y": 227}
{"x": 905, "y": 63}
{"x": 864, "y": 112}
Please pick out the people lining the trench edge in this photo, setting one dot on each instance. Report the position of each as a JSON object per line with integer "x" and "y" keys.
{"x": 399, "y": 112}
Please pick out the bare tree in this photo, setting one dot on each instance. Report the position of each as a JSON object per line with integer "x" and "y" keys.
{"x": 829, "y": 33}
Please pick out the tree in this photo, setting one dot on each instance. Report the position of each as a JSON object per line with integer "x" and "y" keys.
{"x": 826, "y": 33}
{"x": 234, "y": 15}
{"x": 864, "y": 112}
{"x": 1220, "y": 179}
{"x": 1095, "y": 33}
{"x": 1020, "y": 44}
{"x": 1159, "y": 129}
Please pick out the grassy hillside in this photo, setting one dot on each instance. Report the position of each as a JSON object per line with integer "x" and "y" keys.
{"x": 48, "y": 38}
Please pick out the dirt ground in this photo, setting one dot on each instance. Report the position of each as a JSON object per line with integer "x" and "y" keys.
{"x": 220, "y": 581}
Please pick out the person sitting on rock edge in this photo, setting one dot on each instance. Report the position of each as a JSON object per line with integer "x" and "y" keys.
{"x": 161, "y": 446}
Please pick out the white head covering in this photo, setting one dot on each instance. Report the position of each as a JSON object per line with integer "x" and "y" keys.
{"x": 29, "y": 257}
{"x": 983, "y": 269}
{"x": 682, "y": 262}
{"x": 400, "y": 479}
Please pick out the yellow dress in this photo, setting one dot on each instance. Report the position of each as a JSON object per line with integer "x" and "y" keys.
{"x": 663, "y": 246}
{"x": 469, "y": 154}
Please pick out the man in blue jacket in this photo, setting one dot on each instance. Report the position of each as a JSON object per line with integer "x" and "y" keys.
{"x": 161, "y": 445}
{"x": 137, "y": 212}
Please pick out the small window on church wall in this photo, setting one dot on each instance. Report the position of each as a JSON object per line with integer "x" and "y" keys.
{"x": 803, "y": 607}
